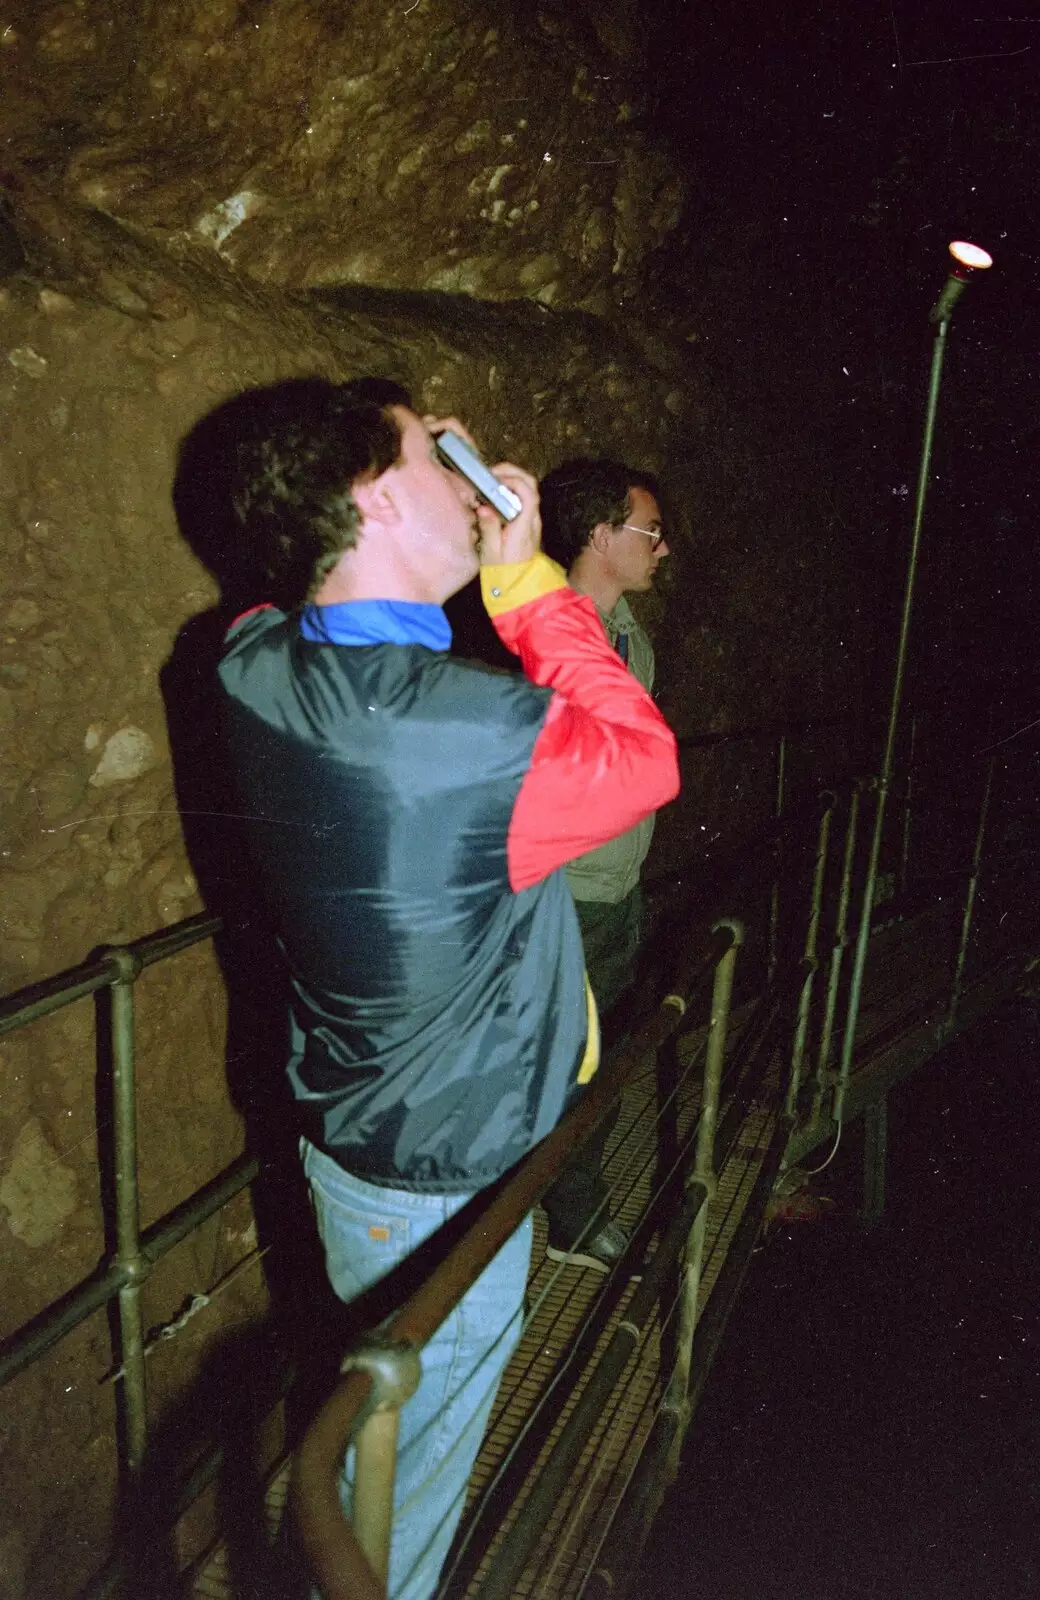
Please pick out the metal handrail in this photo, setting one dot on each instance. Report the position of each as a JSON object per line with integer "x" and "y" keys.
{"x": 38, "y": 1000}
{"x": 336, "y": 1551}
{"x": 117, "y": 968}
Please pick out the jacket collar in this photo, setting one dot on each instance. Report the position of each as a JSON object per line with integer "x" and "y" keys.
{"x": 361, "y": 622}
{"x": 620, "y": 620}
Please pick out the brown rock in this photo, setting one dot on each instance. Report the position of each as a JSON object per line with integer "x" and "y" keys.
{"x": 36, "y": 1190}
{"x": 59, "y": 788}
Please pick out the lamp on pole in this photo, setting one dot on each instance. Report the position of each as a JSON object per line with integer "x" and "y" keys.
{"x": 967, "y": 260}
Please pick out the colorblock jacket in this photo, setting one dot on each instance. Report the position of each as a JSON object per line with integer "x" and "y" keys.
{"x": 409, "y": 815}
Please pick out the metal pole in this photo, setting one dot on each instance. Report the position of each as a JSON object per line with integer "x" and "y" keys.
{"x": 129, "y": 1256}
{"x": 811, "y": 933}
{"x": 863, "y": 937}
{"x": 704, "y": 1168}
{"x": 838, "y": 949}
{"x": 392, "y": 1367}
{"x": 774, "y": 898}
{"x": 614, "y": 1571}
{"x": 376, "y": 1464}
{"x": 904, "y": 858}
{"x": 969, "y": 903}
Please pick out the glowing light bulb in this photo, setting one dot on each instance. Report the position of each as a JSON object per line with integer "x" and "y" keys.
{"x": 971, "y": 256}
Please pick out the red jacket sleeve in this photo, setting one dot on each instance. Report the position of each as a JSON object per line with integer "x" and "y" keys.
{"x": 605, "y": 757}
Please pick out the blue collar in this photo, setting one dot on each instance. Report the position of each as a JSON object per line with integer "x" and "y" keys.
{"x": 377, "y": 622}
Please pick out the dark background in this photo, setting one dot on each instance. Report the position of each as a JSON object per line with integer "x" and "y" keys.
{"x": 834, "y": 150}
{"x": 872, "y": 1426}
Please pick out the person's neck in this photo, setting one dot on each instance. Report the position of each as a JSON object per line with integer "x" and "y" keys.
{"x": 588, "y": 578}
{"x": 353, "y": 584}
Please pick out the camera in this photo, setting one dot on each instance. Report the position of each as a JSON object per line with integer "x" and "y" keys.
{"x": 464, "y": 459}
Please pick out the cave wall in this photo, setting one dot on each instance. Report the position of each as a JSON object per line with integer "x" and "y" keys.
{"x": 404, "y": 220}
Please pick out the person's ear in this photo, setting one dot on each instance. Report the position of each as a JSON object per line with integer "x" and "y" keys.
{"x": 374, "y": 499}
{"x": 601, "y": 537}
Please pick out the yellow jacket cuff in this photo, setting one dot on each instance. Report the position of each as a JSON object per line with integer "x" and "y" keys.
{"x": 514, "y": 584}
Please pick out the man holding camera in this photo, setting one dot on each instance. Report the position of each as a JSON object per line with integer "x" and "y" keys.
{"x": 603, "y": 525}
{"x": 410, "y": 815}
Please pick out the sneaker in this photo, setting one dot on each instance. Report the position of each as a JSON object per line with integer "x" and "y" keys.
{"x": 601, "y": 1253}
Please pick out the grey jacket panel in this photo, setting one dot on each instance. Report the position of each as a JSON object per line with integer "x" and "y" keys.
{"x": 612, "y": 871}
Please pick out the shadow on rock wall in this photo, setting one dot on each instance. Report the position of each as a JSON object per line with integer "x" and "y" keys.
{"x": 296, "y": 1351}
{"x": 228, "y": 1408}
{"x": 253, "y": 973}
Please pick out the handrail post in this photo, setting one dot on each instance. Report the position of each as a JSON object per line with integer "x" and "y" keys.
{"x": 805, "y": 999}
{"x": 394, "y": 1368}
{"x": 703, "y": 1173}
{"x": 875, "y": 1156}
{"x": 841, "y": 940}
{"x": 774, "y": 893}
{"x": 969, "y": 901}
{"x": 129, "y": 1256}
{"x": 375, "y": 1470}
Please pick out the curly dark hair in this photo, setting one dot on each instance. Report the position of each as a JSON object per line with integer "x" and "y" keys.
{"x": 264, "y": 482}
{"x": 578, "y": 495}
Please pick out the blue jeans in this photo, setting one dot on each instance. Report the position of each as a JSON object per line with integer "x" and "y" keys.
{"x": 366, "y": 1232}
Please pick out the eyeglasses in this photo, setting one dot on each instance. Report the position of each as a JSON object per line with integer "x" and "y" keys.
{"x": 655, "y": 535}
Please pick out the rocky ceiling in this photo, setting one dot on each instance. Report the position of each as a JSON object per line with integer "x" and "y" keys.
{"x": 485, "y": 148}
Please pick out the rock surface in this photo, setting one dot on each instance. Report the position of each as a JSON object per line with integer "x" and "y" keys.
{"x": 480, "y": 148}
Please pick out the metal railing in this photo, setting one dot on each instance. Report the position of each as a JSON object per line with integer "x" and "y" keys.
{"x": 352, "y": 1560}
{"x": 814, "y": 1091}
{"x": 110, "y": 975}
{"x": 114, "y": 971}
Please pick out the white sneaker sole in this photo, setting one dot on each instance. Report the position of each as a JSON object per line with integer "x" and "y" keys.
{"x": 577, "y": 1258}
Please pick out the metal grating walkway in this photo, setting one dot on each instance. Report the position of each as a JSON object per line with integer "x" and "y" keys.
{"x": 560, "y": 1298}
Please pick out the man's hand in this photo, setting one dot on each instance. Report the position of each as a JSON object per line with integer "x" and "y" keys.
{"x": 436, "y": 425}
{"x": 519, "y": 540}
{"x": 502, "y": 542}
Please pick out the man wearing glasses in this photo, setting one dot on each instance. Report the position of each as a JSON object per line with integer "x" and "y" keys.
{"x": 602, "y": 523}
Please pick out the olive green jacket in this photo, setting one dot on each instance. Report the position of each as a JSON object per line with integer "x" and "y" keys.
{"x": 611, "y": 872}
